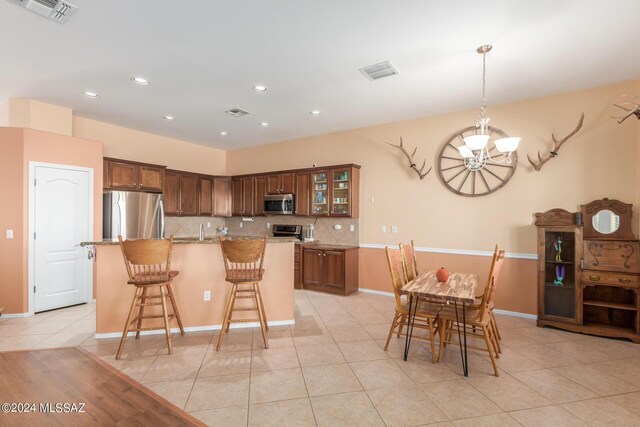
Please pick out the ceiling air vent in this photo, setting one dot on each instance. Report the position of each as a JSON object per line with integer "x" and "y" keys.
{"x": 238, "y": 112}
{"x": 56, "y": 10}
{"x": 378, "y": 71}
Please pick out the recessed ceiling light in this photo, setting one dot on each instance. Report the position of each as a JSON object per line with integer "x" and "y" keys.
{"x": 90, "y": 94}
{"x": 264, "y": 124}
{"x": 168, "y": 117}
{"x": 223, "y": 133}
{"x": 259, "y": 88}
{"x": 314, "y": 112}
{"x": 140, "y": 81}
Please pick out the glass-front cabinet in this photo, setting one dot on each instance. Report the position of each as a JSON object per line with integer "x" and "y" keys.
{"x": 320, "y": 193}
{"x": 341, "y": 191}
{"x": 559, "y": 253}
{"x": 335, "y": 191}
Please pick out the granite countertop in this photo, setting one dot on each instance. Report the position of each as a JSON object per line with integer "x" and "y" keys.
{"x": 321, "y": 245}
{"x": 195, "y": 240}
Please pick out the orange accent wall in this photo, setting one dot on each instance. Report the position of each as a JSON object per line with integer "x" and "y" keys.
{"x": 11, "y": 217}
{"x": 516, "y": 289}
{"x": 23, "y": 146}
{"x": 201, "y": 268}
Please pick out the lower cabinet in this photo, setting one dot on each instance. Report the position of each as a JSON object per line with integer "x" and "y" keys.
{"x": 330, "y": 269}
{"x": 297, "y": 267}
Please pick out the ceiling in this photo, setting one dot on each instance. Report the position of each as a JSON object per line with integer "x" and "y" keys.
{"x": 203, "y": 57}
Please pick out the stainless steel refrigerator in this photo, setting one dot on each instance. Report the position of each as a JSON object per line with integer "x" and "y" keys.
{"x": 133, "y": 215}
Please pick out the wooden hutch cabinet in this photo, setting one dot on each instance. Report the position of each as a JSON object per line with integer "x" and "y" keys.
{"x": 600, "y": 292}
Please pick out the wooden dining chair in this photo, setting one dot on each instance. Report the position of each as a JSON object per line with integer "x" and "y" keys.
{"x": 478, "y": 318}
{"x": 426, "y": 312}
{"x": 148, "y": 264}
{"x": 243, "y": 261}
{"x": 409, "y": 261}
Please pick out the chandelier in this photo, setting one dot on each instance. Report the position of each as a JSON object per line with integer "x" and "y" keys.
{"x": 475, "y": 151}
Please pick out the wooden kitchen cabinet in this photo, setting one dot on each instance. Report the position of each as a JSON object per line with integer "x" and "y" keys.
{"x": 331, "y": 269}
{"x": 344, "y": 187}
{"x": 132, "y": 176}
{"x": 297, "y": 266}
{"x": 312, "y": 272}
{"x": 302, "y": 191}
{"x": 171, "y": 193}
{"x": 205, "y": 196}
{"x": 259, "y": 193}
{"x": 180, "y": 193}
{"x": 188, "y": 194}
{"x": 243, "y": 195}
{"x": 222, "y": 197}
{"x": 282, "y": 183}
{"x": 150, "y": 178}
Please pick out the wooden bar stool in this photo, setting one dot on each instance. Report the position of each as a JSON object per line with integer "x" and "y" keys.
{"x": 148, "y": 265}
{"x": 243, "y": 260}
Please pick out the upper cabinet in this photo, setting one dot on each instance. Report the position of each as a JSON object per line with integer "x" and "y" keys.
{"x": 335, "y": 192}
{"x": 330, "y": 191}
{"x": 302, "y": 191}
{"x": 345, "y": 192}
{"x": 222, "y": 202}
{"x": 282, "y": 183}
{"x": 320, "y": 193}
{"x": 171, "y": 193}
{"x": 132, "y": 176}
{"x": 259, "y": 193}
{"x": 243, "y": 196}
{"x": 180, "y": 194}
{"x": 205, "y": 196}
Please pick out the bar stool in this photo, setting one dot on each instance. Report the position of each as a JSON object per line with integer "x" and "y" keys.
{"x": 243, "y": 260}
{"x": 148, "y": 265}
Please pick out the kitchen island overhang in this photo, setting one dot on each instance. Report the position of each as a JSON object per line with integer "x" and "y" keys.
{"x": 201, "y": 269}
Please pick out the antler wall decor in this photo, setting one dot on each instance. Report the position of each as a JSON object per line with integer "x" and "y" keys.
{"x": 632, "y": 108}
{"x": 556, "y": 147}
{"x": 412, "y": 165}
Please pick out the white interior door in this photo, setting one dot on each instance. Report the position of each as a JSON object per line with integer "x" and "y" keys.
{"x": 61, "y": 220}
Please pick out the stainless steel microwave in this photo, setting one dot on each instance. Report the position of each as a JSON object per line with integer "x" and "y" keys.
{"x": 279, "y": 204}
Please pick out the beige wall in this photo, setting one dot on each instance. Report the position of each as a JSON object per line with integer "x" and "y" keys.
{"x": 124, "y": 143}
{"x": 599, "y": 162}
{"x": 31, "y": 114}
{"x": 21, "y": 146}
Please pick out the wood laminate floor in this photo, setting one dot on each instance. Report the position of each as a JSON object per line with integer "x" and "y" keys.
{"x": 74, "y": 377}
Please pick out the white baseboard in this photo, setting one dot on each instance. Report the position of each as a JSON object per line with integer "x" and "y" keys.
{"x": 196, "y": 329}
{"x": 373, "y": 291}
{"x": 495, "y": 310}
{"x": 515, "y": 314}
{"x": 12, "y": 315}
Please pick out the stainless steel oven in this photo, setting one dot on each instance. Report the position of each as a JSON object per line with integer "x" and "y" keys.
{"x": 279, "y": 204}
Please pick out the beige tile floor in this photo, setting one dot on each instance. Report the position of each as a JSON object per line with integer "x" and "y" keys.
{"x": 329, "y": 369}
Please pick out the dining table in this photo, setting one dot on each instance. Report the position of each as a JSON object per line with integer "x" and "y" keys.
{"x": 460, "y": 288}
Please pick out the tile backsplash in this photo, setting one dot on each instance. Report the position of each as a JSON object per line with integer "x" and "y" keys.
{"x": 189, "y": 226}
{"x": 324, "y": 231}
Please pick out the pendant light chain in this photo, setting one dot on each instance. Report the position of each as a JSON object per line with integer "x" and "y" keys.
{"x": 483, "y": 112}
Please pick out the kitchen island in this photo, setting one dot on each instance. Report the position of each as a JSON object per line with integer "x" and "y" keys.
{"x": 201, "y": 269}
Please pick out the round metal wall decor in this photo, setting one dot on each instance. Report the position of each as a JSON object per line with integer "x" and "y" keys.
{"x": 474, "y": 179}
